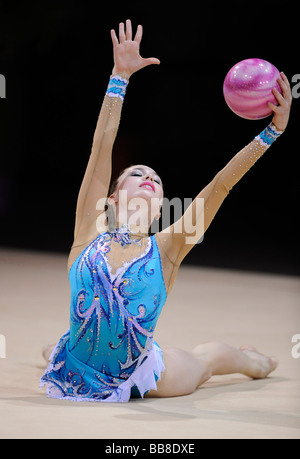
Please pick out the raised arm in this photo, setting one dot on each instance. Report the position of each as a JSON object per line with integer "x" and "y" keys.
{"x": 178, "y": 239}
{"x": 127, "y": 60}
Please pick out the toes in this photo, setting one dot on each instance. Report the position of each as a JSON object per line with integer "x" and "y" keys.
{"x": 261, "y": 365}
{"x": 267, "y": 367}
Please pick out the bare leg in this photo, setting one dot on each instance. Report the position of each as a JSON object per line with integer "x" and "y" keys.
{"x": 185, "y": 371}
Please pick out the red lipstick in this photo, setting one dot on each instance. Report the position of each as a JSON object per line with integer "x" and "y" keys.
{"x": 148, "y": 184}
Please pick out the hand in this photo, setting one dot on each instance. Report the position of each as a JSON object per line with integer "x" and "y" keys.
{"x": 282, "y": 111}
{"x": 127, "y": 59}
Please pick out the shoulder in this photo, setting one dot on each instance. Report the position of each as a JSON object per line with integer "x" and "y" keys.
{"x": 78, "y": 248}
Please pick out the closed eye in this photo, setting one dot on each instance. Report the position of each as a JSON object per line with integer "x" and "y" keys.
{"x": 140, "y": 173}
{"x": 136, "y": 174}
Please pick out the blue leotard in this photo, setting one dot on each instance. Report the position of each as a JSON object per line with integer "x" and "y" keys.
{"x": 109, "y": 353}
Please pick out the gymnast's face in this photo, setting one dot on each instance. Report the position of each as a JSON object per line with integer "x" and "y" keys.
{"x": 138, "y": 195}
{"x": 140, "y": 182}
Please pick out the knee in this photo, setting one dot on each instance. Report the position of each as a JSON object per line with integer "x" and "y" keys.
{"x": 208, "y": 347}
{"x": 217, "y": 346}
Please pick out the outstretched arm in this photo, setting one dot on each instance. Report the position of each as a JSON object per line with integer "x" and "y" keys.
{"x": 127, "y": 60}
{"x": 176, "y": 240}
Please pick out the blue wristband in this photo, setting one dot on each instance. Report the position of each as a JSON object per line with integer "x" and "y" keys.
{"x": 268, "y": 135}
{"x": 117, "y": 87}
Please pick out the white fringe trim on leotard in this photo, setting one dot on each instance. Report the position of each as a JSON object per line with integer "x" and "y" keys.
{"x": 143, "y": 378}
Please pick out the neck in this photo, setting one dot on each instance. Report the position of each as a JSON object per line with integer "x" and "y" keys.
{"x": 140, "y": 230}
{"x": 136, "y": 221}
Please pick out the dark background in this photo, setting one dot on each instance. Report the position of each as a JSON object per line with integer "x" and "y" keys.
{"x": 57, "y": 59}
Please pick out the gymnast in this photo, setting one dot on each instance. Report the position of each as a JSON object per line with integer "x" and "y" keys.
{"x": 120, "y": 275}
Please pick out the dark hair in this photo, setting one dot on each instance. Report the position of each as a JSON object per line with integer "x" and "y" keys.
{"x": 113, "y": 185}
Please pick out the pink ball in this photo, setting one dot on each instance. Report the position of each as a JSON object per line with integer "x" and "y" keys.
{"x": 248, "y": 88}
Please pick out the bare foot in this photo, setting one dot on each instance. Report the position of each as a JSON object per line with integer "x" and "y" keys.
{"x": 47, "y": 351}
{"x": 260, "y": 365}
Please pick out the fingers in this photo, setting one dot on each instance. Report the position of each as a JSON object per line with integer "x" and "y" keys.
{"x": 285, "y": 99}
{"x": 285, "y": 87}
{"x": 128, "y": 30}
{"x": 122, "y": 36}
{"x": 274, "y": 108}
{"x": 139, "y": 34}
{"x": 151, "y": 60}
{"x": 114, "y": 37}
{"x": 126, "y": 34}
{"x": 280, "y": 99}
{"x": 282, "y": 106}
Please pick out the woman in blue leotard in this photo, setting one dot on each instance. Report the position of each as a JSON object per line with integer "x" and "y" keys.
{"x": 120, "y": 276}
